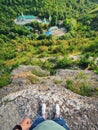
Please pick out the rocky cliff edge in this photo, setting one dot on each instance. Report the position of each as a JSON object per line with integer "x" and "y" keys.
{"x": 23, "y": 97}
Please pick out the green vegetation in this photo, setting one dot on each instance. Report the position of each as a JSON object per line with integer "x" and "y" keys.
{"x": 56, "y": 81}
{"x": 63, "y": 63}
{"x": 33, "y": 79}
{"x": 80, "y": 85}
{"x": 39, "y": 73}
{"x": 19, "y": 45}
{"x": 4, "y": 80}
{"x": 48, "y": 54}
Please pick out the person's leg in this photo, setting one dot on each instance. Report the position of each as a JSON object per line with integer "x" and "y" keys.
{"x": 61, "y": 122}
{"x": 58, "y": 119}
{"x": 39, "y": 119}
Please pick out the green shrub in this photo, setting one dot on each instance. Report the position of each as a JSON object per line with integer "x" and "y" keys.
{"x": 36, "y": 61}
{"x": 33, "y": 79}
{"x": 70, "y": 85}
{"x": 79, "y": 85}
{"x": 63, "y": 63}
{"x": 52, "y": 71}
{"x": 86, "y": 90}
{"x": 47, "y": 65}
{"x": 39, "y": 73}
{"x": 96, "y": 89}
{"x": 54, "y": 49}
{"x": 43, "y": 54}
{"x": 92, "y": 48}
{"x": 43, "y": 49}
{"x": 9, "y": 54}
{"x": 96, "y": 70}
{"x": 84, "y": 62}
{"x": 83, "y": 88}
{"x": 4, "y": 80}
{"x": 62, "y": 48}
{"x": 5, "y": 73}
{"x": 57, "y": 81}
{"x": 88, "y": 62}
{"x": 16, "y": 65}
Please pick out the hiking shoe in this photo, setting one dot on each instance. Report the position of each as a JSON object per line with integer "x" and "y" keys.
{"x": 43, "y": 110}
{"x": 57, "y": 110}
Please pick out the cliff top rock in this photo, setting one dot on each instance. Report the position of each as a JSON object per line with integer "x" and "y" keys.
{"x": 22, "y": 98}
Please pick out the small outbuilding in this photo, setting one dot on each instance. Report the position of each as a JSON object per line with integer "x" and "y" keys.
{"x": 48, "y": 33}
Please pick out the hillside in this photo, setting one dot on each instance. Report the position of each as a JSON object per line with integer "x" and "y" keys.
{"x": 18, "y": 45}
{"x": 24, "y": 95}
{"x": 44, "y": 8}
{"x": 36, "y": 67}
{"x": 74, "y": 15}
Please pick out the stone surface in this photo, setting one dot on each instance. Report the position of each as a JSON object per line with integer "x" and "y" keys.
{"x": 20, "y": 101}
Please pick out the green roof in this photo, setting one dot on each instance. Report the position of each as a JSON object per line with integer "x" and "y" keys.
{"x": 26, "y": 17}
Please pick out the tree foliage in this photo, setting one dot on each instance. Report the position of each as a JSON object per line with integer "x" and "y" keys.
{"x": 19, "y": 45}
